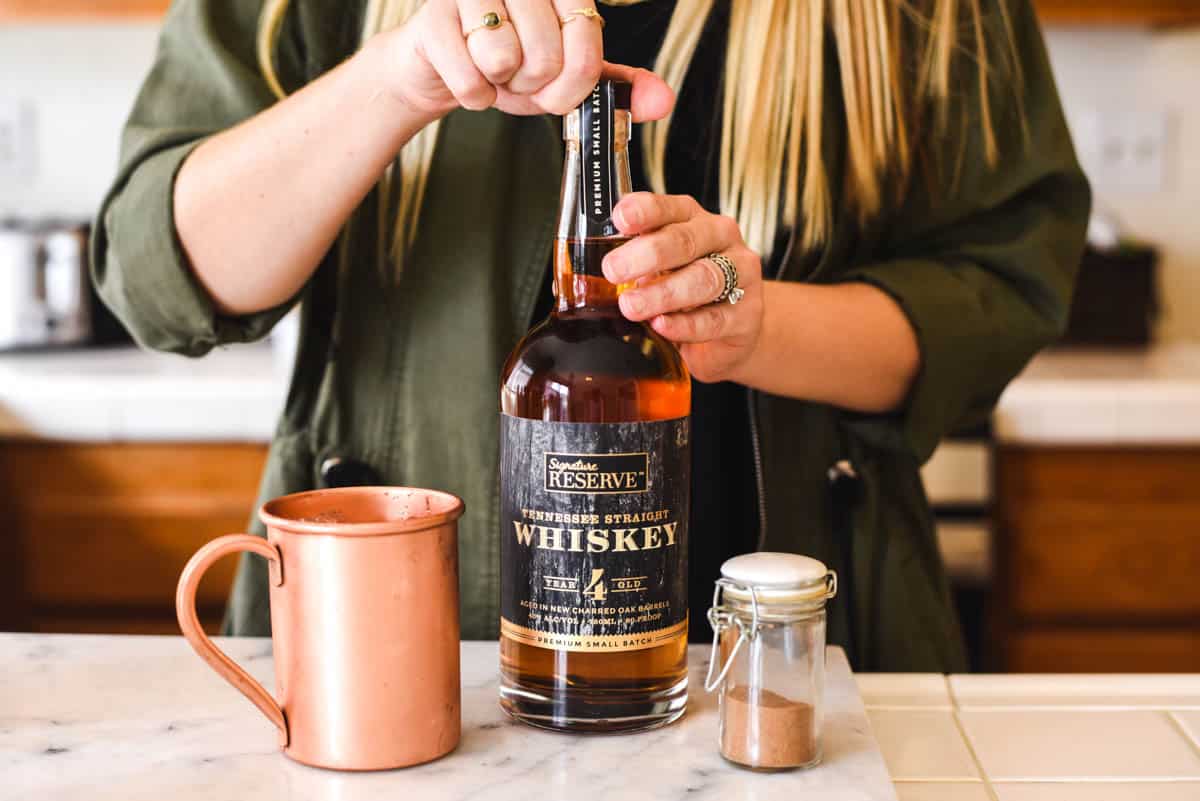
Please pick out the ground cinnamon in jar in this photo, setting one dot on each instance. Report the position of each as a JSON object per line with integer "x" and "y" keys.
{"x": 767, "y": 730}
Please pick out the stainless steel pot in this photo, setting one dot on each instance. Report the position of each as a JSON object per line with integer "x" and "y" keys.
{"x": 45, "y": 294}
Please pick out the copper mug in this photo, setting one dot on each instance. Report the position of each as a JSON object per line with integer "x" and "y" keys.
{"x": 364, "y": 619}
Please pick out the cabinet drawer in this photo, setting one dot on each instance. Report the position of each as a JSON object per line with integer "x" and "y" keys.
{"x": 1109, "y": 476}
{"x": 123, "y": 558}
{"x": 1099, "y": 534}
{"x": 44, "y": 471}
{"x": 117, "y": 624}
{"x": 108, "y": 526}
{"x": 24, "y": 11}
{"x": 1061, "y": 650}
{"x": 1093, "y": 561}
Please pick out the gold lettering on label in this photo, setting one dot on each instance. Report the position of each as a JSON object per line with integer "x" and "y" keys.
{"x": 595, "y": 540}
{"x": 524, "y": 532}
{"x": 652, "y": 540}
{"x": 580, "y": 642}
{"x": 624, "y": 539}
{"x": 550, "y": 539}
{"x": 576, "y": 537}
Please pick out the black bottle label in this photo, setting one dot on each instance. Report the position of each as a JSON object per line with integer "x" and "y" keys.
{"x": 593, "y": 533}
{"x": 598, "y": 186}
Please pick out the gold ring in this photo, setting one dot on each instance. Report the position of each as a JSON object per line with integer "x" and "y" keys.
{"x": 491, "y": 21}
{"x": 582, "y": 13}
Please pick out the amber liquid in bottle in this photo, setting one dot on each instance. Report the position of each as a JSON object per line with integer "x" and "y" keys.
{"x": 586, "y": 363}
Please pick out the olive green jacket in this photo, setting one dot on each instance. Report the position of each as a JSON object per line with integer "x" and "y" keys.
{"x": 404, "y": 376}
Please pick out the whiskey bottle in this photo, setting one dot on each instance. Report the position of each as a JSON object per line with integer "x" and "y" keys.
{"x": 595, "y": 476}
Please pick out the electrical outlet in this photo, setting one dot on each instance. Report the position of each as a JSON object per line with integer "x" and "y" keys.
{"x": 18, "y": 135}
{"x": 1124, "y": 149}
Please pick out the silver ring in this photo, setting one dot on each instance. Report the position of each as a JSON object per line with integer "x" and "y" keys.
{"x": 730, "y": 292}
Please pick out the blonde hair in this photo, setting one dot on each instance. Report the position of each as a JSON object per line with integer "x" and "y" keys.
{"x": 773, "y": 105}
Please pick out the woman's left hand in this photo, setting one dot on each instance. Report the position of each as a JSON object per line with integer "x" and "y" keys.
{"x": 675, "y": 284}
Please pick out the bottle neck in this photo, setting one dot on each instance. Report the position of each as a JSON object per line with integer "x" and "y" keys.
{"x": 595, "y": 178}
{"x": 579, "y": 283}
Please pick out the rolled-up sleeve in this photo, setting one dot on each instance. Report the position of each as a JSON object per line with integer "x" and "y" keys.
{"x": 205, "y": 79}
{"x": 983, "y": 260}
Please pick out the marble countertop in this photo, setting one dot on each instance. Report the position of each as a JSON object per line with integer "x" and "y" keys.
{"x": 144, "y": 719}
{"x": 141, "y": 718}
{"x": 1066, "y": 396}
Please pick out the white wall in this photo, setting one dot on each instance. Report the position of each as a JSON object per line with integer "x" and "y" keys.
{"x": 1118, "y": 71}
{"x": 83, "y": 80}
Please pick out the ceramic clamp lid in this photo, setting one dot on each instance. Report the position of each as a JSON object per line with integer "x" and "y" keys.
{"x": 764, "y": 588}
{"x": 777, "y": 578}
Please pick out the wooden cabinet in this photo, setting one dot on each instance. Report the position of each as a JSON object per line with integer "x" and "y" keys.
{"x": 1098, "y": 558}
{"x": 1119, "y": 12}
{"x": 1059, "y": 12}
{"x": 37, "y": 10}
{"x": 95, "y": 536}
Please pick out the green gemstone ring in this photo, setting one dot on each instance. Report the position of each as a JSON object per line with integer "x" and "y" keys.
{"x": 490, "y": 21}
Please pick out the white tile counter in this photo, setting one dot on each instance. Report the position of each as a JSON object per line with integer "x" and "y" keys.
{"x": 1149, "y": 396}
{"x": 1038, "y": 737}
{"x": 1105, "y": 397}
{"x": 234, "y": 394}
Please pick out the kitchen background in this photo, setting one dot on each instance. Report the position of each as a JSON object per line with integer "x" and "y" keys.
{"x": 1071, "y": 526}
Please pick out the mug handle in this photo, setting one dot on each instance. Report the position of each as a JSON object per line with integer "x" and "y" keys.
{"x": 189, "y": 621}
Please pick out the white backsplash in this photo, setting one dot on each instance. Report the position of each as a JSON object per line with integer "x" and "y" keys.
{"x": 82, "y": 80}
{"x": 1109, "y": 72}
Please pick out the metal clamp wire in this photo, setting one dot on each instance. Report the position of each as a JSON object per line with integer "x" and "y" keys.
{"x": 720, "y": 619}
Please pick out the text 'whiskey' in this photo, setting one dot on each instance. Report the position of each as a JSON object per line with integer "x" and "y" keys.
{"x": 595, "y": 476}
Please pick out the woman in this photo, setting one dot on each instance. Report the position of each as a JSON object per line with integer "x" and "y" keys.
{"x": 893, "y": 181}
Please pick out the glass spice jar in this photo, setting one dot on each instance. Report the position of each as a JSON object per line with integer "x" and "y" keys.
{"x": 768, "y": 620}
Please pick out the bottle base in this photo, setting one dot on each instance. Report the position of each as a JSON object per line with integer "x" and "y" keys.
{"x": 615, "y": 711}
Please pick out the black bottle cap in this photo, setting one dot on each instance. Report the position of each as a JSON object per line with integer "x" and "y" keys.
{"x": 599, "y": 183}
{"x": 622, "y": 94}
{"x": 607, "y": 97}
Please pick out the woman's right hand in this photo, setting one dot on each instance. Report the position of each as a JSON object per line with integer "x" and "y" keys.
{"x": 256, "y": 210}
{"x": 531, "y": 64}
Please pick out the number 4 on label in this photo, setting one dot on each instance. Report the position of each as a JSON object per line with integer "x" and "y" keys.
{"x": 595, "y": 588}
